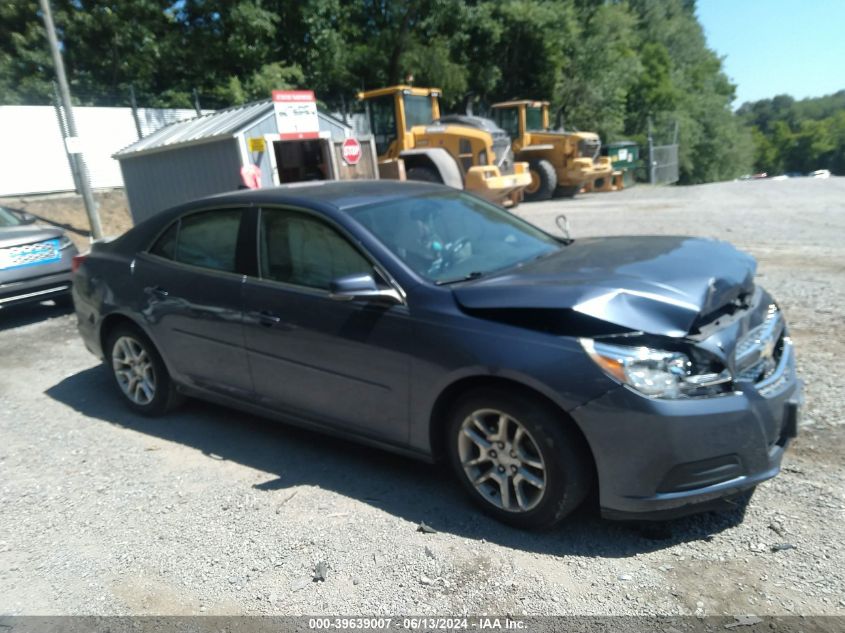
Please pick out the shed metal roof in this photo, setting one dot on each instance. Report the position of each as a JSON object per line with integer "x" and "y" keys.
{"x": 220, "y": 124}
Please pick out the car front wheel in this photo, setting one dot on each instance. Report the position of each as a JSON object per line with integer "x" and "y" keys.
{"x": 518, "y": 458}
{"x": 139, "y": 372}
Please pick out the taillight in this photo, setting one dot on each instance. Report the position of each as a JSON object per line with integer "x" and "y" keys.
{"x": 76, "y": 262}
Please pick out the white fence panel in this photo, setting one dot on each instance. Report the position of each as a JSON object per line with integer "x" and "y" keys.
{"x": 32, "y": 153}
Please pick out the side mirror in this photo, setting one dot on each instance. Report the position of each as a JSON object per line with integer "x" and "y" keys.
{"x": 361, "y": 287}
{"x": 25, "y": 218}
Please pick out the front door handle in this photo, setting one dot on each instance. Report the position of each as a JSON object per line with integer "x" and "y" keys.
{"x": 269, "y": 319}
{"x": 157, "y": 291}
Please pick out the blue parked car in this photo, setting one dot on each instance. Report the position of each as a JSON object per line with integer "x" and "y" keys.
{"x": 432, "y": 323}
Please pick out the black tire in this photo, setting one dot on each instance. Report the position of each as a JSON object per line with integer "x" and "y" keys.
{"x": 567, "y": 192}
{"x": 165, "y": 397}
{"x": 425, "y": 174}
{"x": 544, "y": 178}
{"x": 565, "y": 456}
{"x": 64, "y": 301}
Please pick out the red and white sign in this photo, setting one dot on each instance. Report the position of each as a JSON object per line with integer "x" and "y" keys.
{"x": 296, "y": 114}
{"x": 351, "y": 151}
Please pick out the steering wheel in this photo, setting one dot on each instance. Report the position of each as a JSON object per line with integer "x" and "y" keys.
{"x": 447, "y": 254}
{"x": 451, "y": 250}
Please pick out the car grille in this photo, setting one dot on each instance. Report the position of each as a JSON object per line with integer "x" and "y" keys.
{"x": 757, "y": 353}
{"x": 30, "y": 254}
{"x": 504, "y": 155}
{"x": 589, "y": 148}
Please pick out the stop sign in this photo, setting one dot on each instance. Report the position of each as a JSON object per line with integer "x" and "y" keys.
{"x": 351, "y": 151}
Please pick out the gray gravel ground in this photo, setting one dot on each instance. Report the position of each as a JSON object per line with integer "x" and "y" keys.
{"x": 213, "y": 511}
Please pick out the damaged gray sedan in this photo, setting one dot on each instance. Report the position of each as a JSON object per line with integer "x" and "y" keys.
{"x": 429, "y": 322}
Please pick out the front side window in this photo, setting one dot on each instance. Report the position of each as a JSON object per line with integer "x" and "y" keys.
{"x": 417, "y": 110}
{"x": 451, "y": 236}
{"x": 534, "y": 119}
{"x": 383, "y": 122}
{"x": 208, "y": 239}
{"x": 300, "y": 249}
{"x": 508, "y": 120}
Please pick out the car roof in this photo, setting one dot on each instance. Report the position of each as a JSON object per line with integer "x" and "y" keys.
{"x": 341, "y": 194}
{"x": 328, "y": 195}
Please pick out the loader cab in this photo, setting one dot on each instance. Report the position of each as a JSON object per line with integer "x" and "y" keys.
{"x": 415, "y": 143}
{"x": 392, "y": 113}
{"x": 520, "y": 117}
{"x": 560, "y": 163}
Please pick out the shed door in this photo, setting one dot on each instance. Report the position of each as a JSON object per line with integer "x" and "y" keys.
{"x": 302, "y": 161}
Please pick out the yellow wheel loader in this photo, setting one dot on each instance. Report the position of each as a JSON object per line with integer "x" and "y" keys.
{"x": 405, "y": 123}
{"x": 560, "y": 163}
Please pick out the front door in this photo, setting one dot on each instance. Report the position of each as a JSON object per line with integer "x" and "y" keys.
{"x": 193, "y": 300}
{"x": 339, "y": 363}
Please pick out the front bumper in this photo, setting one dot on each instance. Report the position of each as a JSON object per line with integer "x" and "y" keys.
{"x": 488, "y": 182}
{"x": 585, "y": 170}
{"x": 665, "y": 458}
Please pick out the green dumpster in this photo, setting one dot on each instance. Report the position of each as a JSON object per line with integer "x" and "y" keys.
{"x": 625, "y": 157}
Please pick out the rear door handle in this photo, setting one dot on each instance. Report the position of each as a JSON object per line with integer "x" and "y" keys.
{"x": 268, "y": 318}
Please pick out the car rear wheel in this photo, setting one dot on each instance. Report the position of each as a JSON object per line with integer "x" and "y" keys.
{"x": 139, "y": 372}
{"x": 518, "y": 458}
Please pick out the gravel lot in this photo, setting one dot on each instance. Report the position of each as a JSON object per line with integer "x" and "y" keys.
{"x": 213, "y": 511}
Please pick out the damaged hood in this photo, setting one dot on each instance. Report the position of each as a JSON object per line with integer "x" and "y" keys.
{"x": 654, "y": 284}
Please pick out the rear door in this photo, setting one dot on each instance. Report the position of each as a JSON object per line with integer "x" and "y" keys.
{"x": 192, "y": 286}
{"x": 340, "y": 362}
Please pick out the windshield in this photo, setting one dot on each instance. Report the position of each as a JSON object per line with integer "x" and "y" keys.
{"x": 9, "y": 218}
{"x": 449, "y": 236}
{"x": 508, "y": 120}
{"x": 417, "y": 110}
{"x": 534, "y": 119}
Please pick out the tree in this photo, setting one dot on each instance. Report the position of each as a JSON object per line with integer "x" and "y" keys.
{"x": 797, "y": 136}
{"x": 595, "y": 81}
{"x": 25, "y": 64}
{"x": 653, "y": 93}
{"x": 606, "y": 65}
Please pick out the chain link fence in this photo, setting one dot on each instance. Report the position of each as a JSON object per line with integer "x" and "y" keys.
{"x": 664, "y": 164}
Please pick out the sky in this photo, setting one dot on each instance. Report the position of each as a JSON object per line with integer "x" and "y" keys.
{"x": 772, "y": 47}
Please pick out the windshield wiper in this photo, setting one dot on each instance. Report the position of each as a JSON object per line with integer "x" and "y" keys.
{"x": 473, "y": 275}
{"x": 542, "y": 256}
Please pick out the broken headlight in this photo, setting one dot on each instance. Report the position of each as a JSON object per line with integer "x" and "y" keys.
{"x": 657, "y": 373}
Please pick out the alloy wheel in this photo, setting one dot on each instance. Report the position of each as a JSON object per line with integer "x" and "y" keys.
{"x": 133, "y": 368}
{"x": 501, "y": 459}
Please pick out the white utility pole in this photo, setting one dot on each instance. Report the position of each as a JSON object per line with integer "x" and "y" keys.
{"x": 64, "y": 91}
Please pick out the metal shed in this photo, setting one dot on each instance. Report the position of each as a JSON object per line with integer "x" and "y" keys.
{"x": 204, "y": 156}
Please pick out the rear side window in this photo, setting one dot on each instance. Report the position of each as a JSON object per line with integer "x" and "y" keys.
{"x": 208, "y": 240}
{"x": 166, "y": 244}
